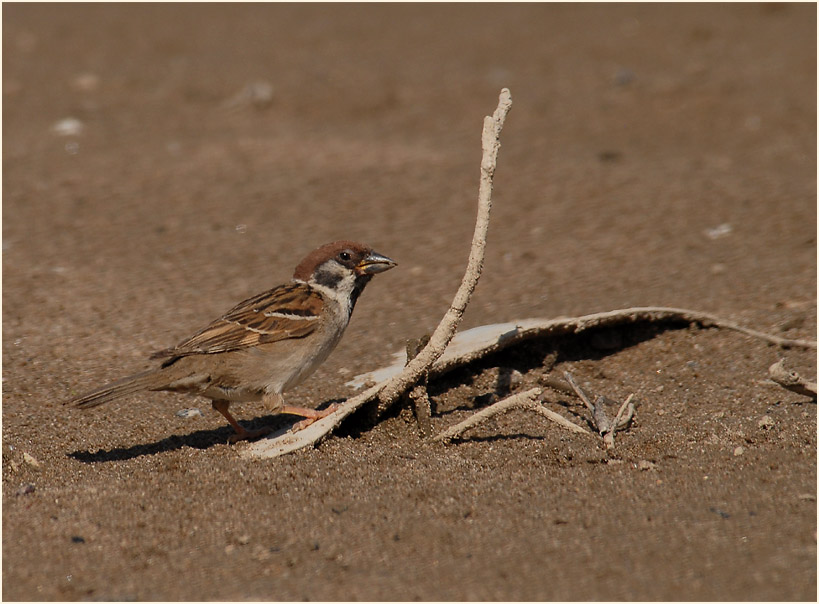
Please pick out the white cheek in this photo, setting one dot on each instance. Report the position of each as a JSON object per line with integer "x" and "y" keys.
{"x": 340, "y": 294}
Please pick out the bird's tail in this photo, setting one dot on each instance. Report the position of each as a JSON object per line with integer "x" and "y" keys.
{"x": 127, "y": 385}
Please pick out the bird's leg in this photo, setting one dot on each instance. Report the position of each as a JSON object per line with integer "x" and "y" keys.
{"x": 241, "y": 433}
{"x": 310, "y": 415}
{"x": 273, "y": 401}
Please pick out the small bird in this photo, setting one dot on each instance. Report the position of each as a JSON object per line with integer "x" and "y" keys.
{"x": 265, "y": 345}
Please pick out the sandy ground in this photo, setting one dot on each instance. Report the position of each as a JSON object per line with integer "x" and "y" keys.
{"x": 655, "y": 155}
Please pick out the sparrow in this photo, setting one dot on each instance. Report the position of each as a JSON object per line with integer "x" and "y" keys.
{"x": 265, "y": 345}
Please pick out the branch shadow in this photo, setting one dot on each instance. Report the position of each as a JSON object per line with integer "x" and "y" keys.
{"x": 591, "y": 344}
{"x": 497, "y": 438}
{"x": 545, "y": 353}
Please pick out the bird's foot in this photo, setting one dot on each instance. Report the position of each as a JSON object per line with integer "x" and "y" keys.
{"x": 311, "y": 416}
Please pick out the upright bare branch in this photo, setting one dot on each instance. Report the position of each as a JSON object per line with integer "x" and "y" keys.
{"x": 490, "y": 141}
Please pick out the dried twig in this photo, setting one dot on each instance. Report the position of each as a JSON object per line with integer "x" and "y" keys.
{"x": 418, "y": 396}
{"x": 557, "y": 418}
{"x": 600, "y": 418}
{"x": 523, "y": 400}
{"x": 394, "y": 388}
{"x": 625, "y": 413}
{"x": 791, "y": 380}
{"x": 579, "y": 391}
{"x": 621, "y": 420}
{"x": 422, "y": 408}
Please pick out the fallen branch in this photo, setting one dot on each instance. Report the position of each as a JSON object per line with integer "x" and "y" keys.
{"x": 479, "y": 342}
{"x": 393, "y": 389}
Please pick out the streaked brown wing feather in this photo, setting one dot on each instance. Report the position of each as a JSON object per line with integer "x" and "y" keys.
{"x": 287, "y": 311}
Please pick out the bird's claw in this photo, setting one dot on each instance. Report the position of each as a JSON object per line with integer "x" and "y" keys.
{"x": 310, "y": 420}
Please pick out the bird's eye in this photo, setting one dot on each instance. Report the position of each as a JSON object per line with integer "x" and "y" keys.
{"x": 345, "y": 256}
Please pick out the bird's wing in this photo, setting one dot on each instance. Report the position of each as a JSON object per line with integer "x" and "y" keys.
{"x": 287, "y": 311}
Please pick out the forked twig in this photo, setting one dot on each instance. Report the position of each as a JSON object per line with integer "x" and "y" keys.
{"x": 621, "y": 420}
{"x": 600, "y": 418}
{"x": 523, "y": 400}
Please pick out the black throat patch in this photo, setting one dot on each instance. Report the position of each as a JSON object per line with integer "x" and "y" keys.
{"x": 360, "y": 282}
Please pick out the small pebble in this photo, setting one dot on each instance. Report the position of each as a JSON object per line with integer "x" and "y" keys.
{"x": 644, "y": 465}
{"x": 29, "y": 459}
{"x": 244, "y": 539}
{"x": 515, "y": 379}
{"x": 193, "y": 412}
{"x": 257, "y": 94}
{"x": 26, "y": 489}
{"x": 86, "y": 82}
{"x": 77, "y": 539}
{"x": 719, "y": 231}
{"x": 69, "y": 126}
{"x": 766, "y": 423}
{"x": 739, "y": 451}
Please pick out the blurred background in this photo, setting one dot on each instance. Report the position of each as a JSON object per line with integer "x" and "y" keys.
{"x": 200, "y": 151}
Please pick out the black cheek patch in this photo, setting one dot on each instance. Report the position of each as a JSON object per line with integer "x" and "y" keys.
{"x": 328, "y": 278}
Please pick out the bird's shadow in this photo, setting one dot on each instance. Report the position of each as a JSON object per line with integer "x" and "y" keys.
{"x": 200, "y": 439}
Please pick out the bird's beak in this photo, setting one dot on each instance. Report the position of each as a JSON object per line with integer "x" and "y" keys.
{"x": 374, "y": 263}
